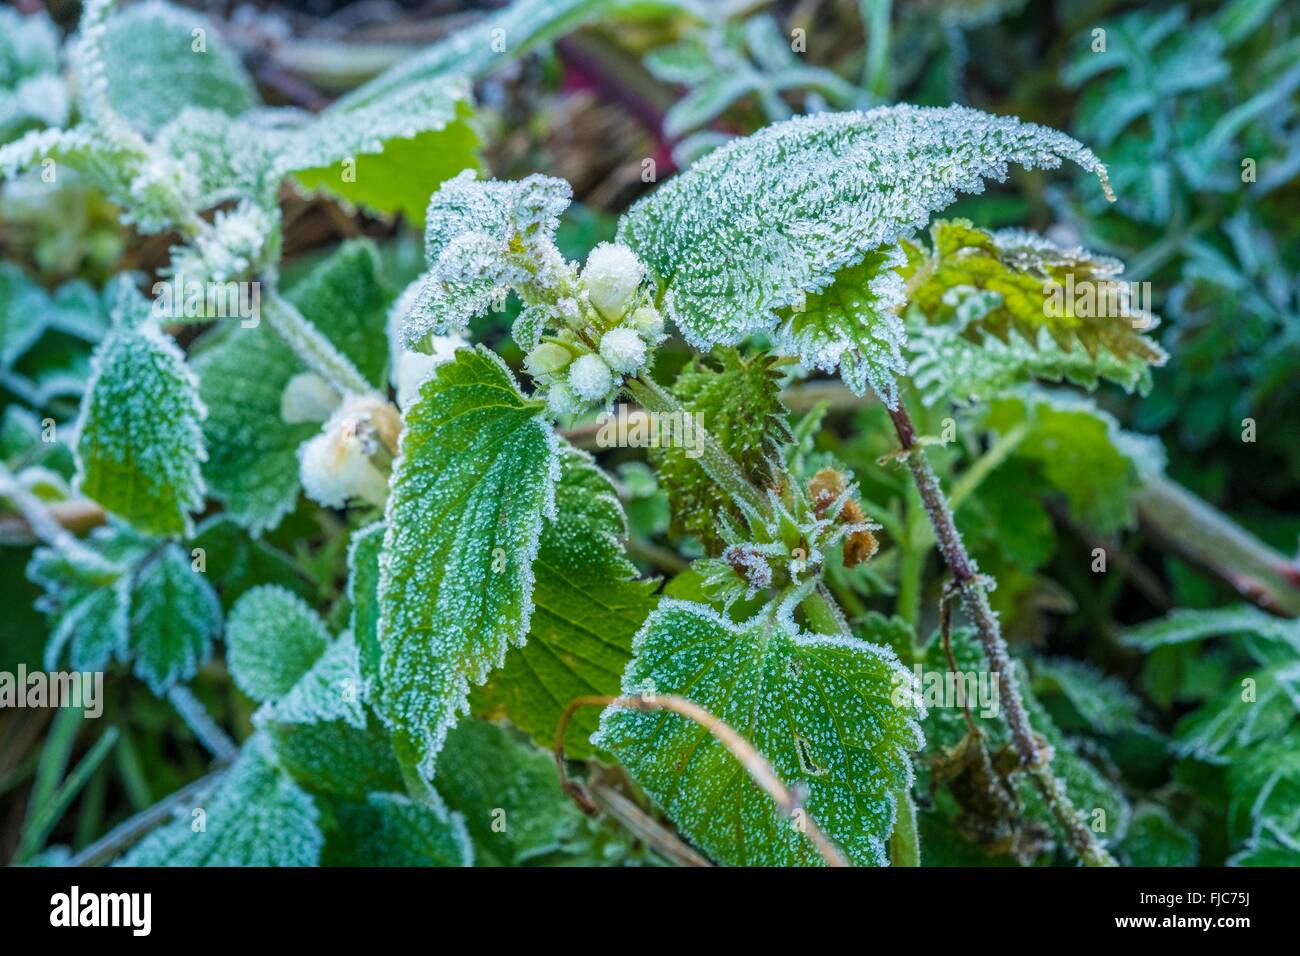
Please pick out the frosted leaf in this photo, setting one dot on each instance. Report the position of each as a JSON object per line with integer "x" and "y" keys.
{"x": 409, "y": 369}
{"x": 88, "y": 602}
{"x": 324, "y": 736}
{"x": 272, "y": 639}
{"x": 853, "y": 325}
{"x": 32, "y": 93}
{"x": 508, "y": 793}
{"x": 761, "y": 222}
{"x": 238, "y": 562}
{"x": 474, "y": 476}
{"x": 175, "y": 615}
{"x": 1081, "y": 450}
{"x": 152, "y": 70}
{"x": 229, "y": 158}
{"x": 364, "y": 551}
{"x": 588, "y": 602}
{"x": 817, "y": 707}
{"x": 140, "y": 444}
{"x": 257, "y": 817}
{"x": 1029, "y": 289}
{"x": 1154, "y": 839}
{"x": 391, "y": 829}
{"x": 1104, "y": 704}
{"x": 243, "y": 373}
{"x": 481, "y": 240}
{"x": 1186, "y": 624}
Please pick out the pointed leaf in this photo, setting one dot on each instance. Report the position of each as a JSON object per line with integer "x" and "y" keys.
{"x": 272, "y": 640}
{"x": 588, "y": 604}
{"x": 474, "y": 477}
{"x": 175, "y": 615}
{"x": 140, "y": 444}
{"x": 391, "y": 829}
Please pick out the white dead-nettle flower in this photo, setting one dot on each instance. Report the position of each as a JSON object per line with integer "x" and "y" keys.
{"x": 560, "y": 400}
{"x": 612, "y": 275}
{"x": 589, "y": 377}
{"x": 336, "y": 466}
{"x": 307, "y": 398}
{"x": 649, "y": 323}
{"x": 547, "y": 359}
{"x": 623, "y": 350}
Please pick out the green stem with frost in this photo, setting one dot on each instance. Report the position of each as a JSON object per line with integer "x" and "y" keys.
{"x": 311, "y": 345}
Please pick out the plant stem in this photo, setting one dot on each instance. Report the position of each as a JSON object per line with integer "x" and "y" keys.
{"x": 875, "y": 71}
{"x": 213, "y": 738}
{"x": 715, "y": 461}
{"x": 975, "y": 599}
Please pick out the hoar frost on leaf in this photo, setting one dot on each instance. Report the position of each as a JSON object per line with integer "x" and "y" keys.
{"x": 762, "y": 222}
{"x": 821, "y": 709}
{"x": 272, "y": 639}
{"x": 475, "y": 474}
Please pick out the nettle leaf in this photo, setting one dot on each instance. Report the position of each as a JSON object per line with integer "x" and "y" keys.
{"x": 1272, "y": 847}
{"x": 32, "y": 93}
{"x": 758, "y": 224}
{"x": 253, "y": 451}
{"x": 364, "y": 553}
{"x": 587, "y": 605}
{"x": 391, "y": 829}
{"x": 257, "y": 817}
{"x": 87, "y": 599}
{"x": 160, "y": 58}
{"x": 1154, "y": 839}
{"x": 388, "y": 154}
{"x": 1185, "y": 625}
{"x": 1264, "y": 788}
{"x": 1032, "y": 286}
{"x": 507, "y": 792}
{"x": 325, "y": 736}
{"x": 272, "y": 640}
{"x": 739, "y": 400}
{"x": 1082, "y": 451}
{"x": 817, "y": 707}
{"x": 1259, "y": 707}
{"x": 175, "y": 614}
{"x": 140, "y": 444}
{"x": 1102, "y": 703}
{"x": 474, "y": 477}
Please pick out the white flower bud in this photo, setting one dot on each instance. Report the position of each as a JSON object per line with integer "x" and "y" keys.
{"x": 412, "y": 369}
{"x": 335, "y": 465}
{"x": 623, "y": 350}
{"x": 307, "y": 398}
{"x": 560, "y": 400}
{"x": 649, "y": 322}
{"x": 547, "y": 359}
{"x": 612, "y": 275}
{"x": 590, "y": 379}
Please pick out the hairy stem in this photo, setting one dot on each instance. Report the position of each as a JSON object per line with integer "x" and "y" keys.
{"x": 215, "y": 740}
{"x": 311, "y": 345}
{"x": 715, "y": 461}
{"x": 760, "y": 771}
{"x": 974, "y": 596}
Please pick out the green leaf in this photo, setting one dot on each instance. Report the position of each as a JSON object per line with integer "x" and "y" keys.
{"x": 364, "y": 552}
{"x": 87, "y": 599}
{"x": 236, "y": 562}
{"x": 1259, "y": 707}
{"x": 1081, "y": 451}
{"x": 159, "y": 59}
{"x": 588, "y": 603}
{"x": 324, "y": 735}
{"x": 391, "y": 829}
{"x": 1186, "y": 624}
{"x": 253, "y": 451}
{"x": 1154, "y": 839}
{"x": 1271, "y": 848}
{"x": 256, "y": 817}
{"x": 175, "y": 614}
{"x": 272, "y": 640}
{"x": 1103, "y": 703}
{"x": 759, "y": 223}
{"x": 1028, "y": 290}
{"x": 818, "y": 708}
{"x": 139, "y": 444}
{"x": 739, "y": 400}
{"x": 507, "y": 791}
{"x": 475, "y": 475}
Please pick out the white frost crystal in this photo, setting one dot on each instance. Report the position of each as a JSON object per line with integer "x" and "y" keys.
{"x": 611, "y": 275}
{"x": 590, "y": 378}
{"x": 560, "y": 400}
{"x": 307, "y": 398}
{"x": 623, "y": 350}
{"x": 336, "y": 465}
